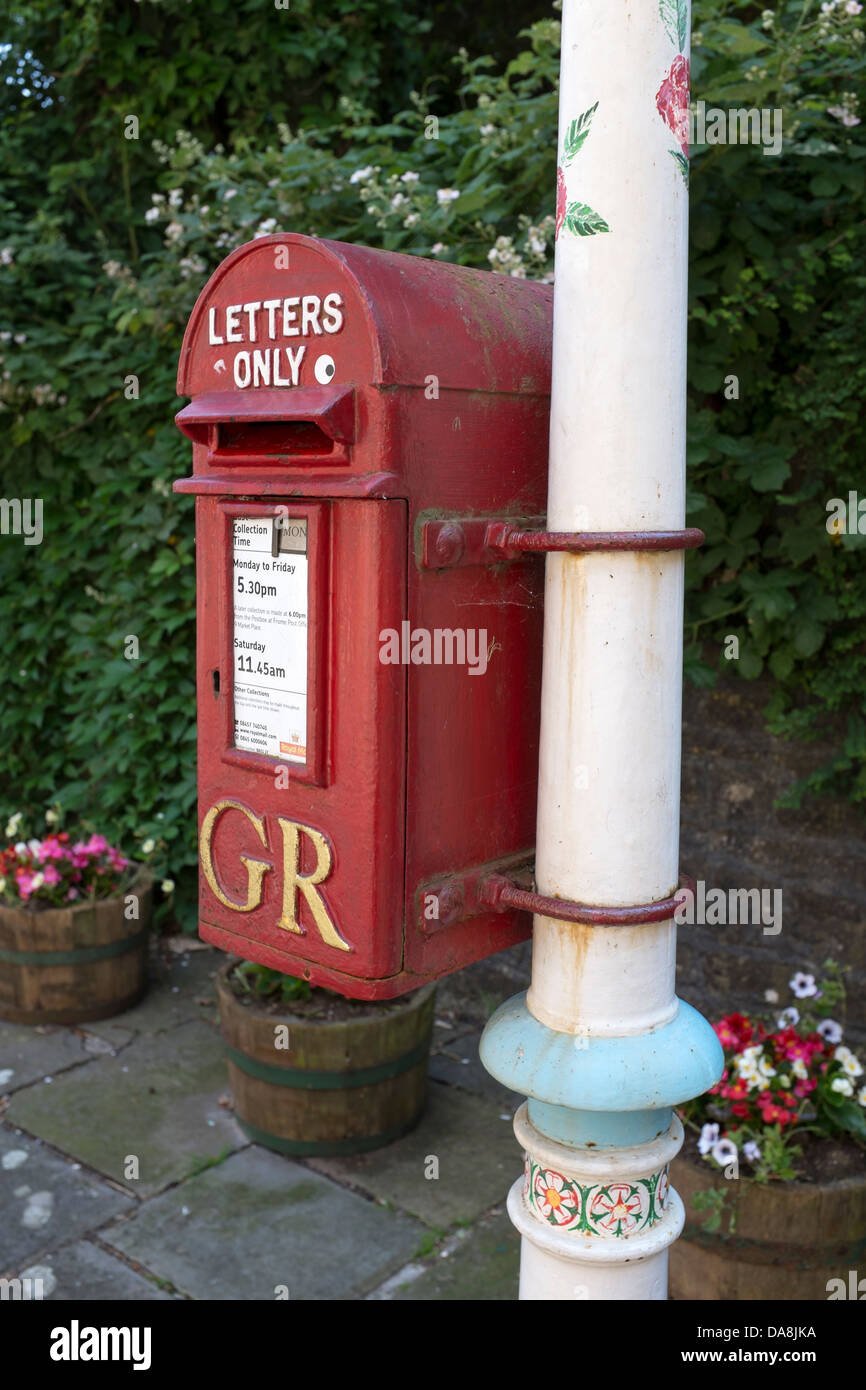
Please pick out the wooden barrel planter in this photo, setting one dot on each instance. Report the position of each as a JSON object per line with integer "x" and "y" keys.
{"x": 789, "y": 1240}
{"x": 338, "y": 1087}
{"x": 74, "y": 964}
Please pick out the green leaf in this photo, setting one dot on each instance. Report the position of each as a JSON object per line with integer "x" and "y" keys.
{"x": 577, "y": 133}
{"x": 580, "y": 219}
{"x": 682, "y": 164}
{"x": 675, "y": 18}
{"x": 809, "y": 637}
{"x": 750, "y": 664}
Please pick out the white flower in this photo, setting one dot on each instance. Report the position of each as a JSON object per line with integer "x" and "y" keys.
{"x": 266, "y": 227}
{"x": 174, "y": 231}
{"x": 361, "y": 175}
{"x": 803, "y": 985}
{"x": 767, "y": 18}
{"x": 167, "y": 885}
{"x": 771, "y": 996}
{"x": 152, "y": 215}
{"x": 861, "y": 1095}
{"x": 487, "y": 130}
{"x": 538, "y": 245}
{"x": 410, "y": 176}
{"x": 19, "y": 338}
{"x": 398, "y": 200}
{"x": 6, "y": 256}
{"x": 412, "y": 220}
{"x": 37, "y": 882}
{"x": 175, "y": 197}
{"x": 784, "y": 1082}
{"x": 800, "y": 1070}
{"x": 21, "y": 848}
{"x": 765, "y": 1069}
{"x": 709, "y": 1137}
{"x": 34, "y": 846}
{"x": 852, "y": 7}
{"x": 789, "y": 1017}
{"x": 751, "y": 1151}
{"x": 438, "y": 249}
{"x": 444, "y": 196}
{"x": 724, "y": 1152}
{"x": 840, "y": 1084}
{"x": 843, "y": 114}
{"x": 852, "y": 1067}
{"x": 230, "y": 193}
{"x": 13, "y": 823}
{"x": 148, "y": 847}
{"x": 830, "y": 1031}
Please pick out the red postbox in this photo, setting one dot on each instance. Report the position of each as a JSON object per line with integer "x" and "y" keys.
{"x": 368, "y": 667}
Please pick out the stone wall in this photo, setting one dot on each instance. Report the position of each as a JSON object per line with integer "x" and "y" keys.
{"x": 733, "y": 836}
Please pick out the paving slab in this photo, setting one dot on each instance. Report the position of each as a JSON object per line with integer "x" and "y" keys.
{"x": 177, "y": 987}
{"x": 456, "y": 1062}
{"x": 45, "y": 1201}
{"x": 28, "y": 1054}
{"x": 260, "y": 1226}
{"x": 86, "y": 1271}
{"x": 467, "y": 1138}
{"x": 483, "y": 1265}
{"x": 157, "y": 1101}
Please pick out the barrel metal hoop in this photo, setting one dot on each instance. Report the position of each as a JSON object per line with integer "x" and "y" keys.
{"x": 304, "y": 1080}
{"x": 81, "y": 955}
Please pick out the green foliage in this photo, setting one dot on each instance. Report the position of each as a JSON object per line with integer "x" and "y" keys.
{"x": 264, "y": 983}
{"x": 714, "y": 1201}
{"x": 335, "y": 124}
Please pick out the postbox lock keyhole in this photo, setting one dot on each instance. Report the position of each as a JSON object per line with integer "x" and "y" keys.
{"x": 324, "y": 369}
{"x": 215, "y": 677}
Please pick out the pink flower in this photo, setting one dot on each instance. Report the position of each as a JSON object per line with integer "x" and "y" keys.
{"x": 97, "y": 844}
{"x": 72, "y": 895}
{"x": 561, "y": 201}
{"x": 51, "y": 876}
{"x": 672, "y": 101}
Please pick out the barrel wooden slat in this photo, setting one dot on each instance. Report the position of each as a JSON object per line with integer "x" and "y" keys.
{"x": 75, "y": 991}
{"x": 328, "y": 1113}
{"x": 790, "y": 1238}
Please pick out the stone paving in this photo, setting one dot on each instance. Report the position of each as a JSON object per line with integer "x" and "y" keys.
{"x": 123, "y": 1174}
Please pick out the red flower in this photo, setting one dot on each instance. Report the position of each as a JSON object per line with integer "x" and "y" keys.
{"x": 561, "y": 200}
{"x": 740, "y": 1110}
{"x": 776, "y": 1115}
{"x": 672, "y": 101}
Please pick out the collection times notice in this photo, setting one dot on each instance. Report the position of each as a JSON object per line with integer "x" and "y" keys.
{"x": 270, "y": 638}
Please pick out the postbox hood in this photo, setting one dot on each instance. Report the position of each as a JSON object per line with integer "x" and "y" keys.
{"x": 289, "y": 311}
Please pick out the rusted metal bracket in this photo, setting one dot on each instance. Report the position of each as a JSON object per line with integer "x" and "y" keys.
{"x": 512, "y": 888}
{"x": 446, "y": 544}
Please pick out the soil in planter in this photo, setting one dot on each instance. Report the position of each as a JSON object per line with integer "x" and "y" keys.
{"x": 322, "y": 1007}
{"x": 825, "y": 1160}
